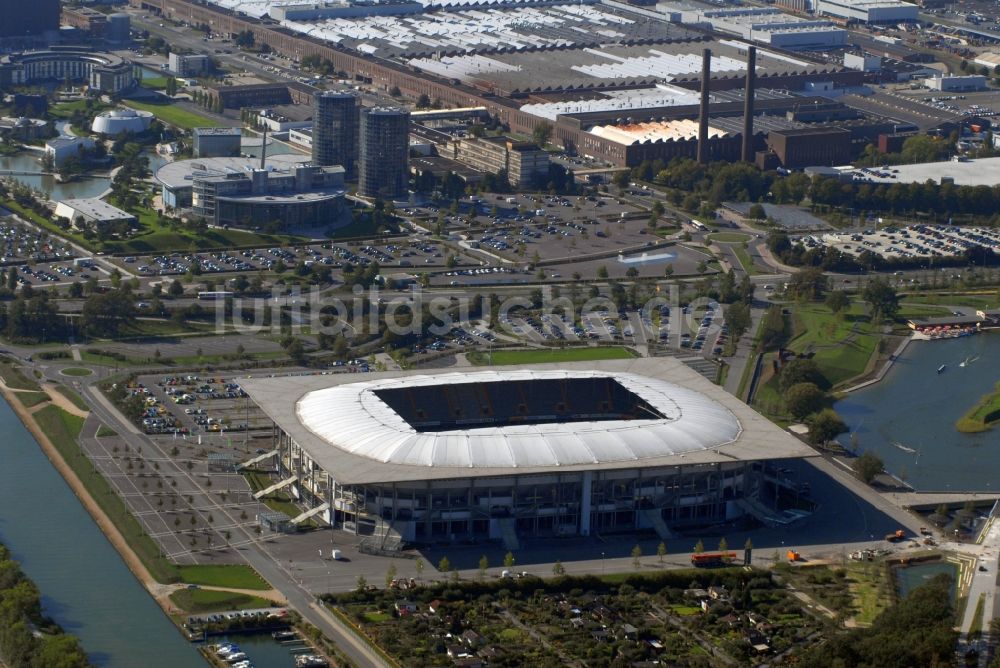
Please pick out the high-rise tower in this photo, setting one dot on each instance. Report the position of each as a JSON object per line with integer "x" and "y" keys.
{"x": 385, "y": 146}
{"x": 335, "y": 131}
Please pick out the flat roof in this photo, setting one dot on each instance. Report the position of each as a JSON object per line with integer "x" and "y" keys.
{"x": 974, "y": 172}
{"x": 179, "y": 173}
{"x": 96, "y": 209}
{"x": 358, "y": 439}
{"x": 217, "y": 132}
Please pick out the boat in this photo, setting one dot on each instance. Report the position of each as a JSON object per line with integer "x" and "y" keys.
{"x": 243, "y": 664}
{"x": 235, "y": 657}
{"x": 285, "y": 635}
{"x": 310, "y": 661}
{"x": 942, "y": 368}
{"x": 965, "y": 362}
{"x": 902, "y": 447}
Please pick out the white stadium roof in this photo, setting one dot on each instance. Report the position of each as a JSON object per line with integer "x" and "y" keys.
{"x": 353, "y": 418}
{"x": 350, "y": 432}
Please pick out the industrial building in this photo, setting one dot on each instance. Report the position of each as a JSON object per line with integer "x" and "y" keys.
{"x": 523, "y": 163}
{"x": 117, "y": 121}
{"x": 384, "y": 152}
{"x": 807, "y": 147}
{"x": 956, "y": 84}
{"x": 84, "y": 18}
{"x": 334, "y": 141}
{"x": 872, "y": 12}
{"x": 769, "y": 26}
{"x": 187, "y": 64}
{"x": 282, "y": 191}
{"x": 525, "y": 452}
{"x": 216, "y": 142}
{"x": 100, "y": 71}
{"x": 261, "y": 95}
{"x": 91, "y": 211}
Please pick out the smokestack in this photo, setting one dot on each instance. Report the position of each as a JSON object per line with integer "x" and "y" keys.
{"x": 706, "y": 76}
{"x": 263, "y": 147}
{"x": 749, "y": 91}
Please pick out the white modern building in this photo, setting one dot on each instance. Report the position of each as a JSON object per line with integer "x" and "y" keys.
{"x": 956, "y": 84}
{"x": 771, "y": 26}
{"x": 61, "y": 148}
{"x": 91, "y": 211}
{"x": 117, "y": 121}
{"x": 187, "y": 65}
{"x": 502, "y": 454}
{"x": 869, "y": 11}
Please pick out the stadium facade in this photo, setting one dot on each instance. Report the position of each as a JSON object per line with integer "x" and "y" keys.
{"x": 519, "y": 452}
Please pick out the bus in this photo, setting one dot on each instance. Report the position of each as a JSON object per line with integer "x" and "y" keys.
{"x": 214, "y": 295}
{"x": 712, "y": 559}
{"x": 698, "y": 226}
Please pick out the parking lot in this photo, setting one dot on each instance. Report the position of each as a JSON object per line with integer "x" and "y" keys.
{"x": 915, "y": 241}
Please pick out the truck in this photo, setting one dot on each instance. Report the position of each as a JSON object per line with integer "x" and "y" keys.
{"x": 793, "y": 556}
{"x": 897, "y": 536}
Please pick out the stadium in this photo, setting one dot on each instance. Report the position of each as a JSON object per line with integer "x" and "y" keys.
{"x": 519, "y": 452}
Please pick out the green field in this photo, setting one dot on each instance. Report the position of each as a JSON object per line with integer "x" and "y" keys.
{"x": 842, "y": 346}
{"x": 745, "y": 260}
{"x": 154, "y": 83}
{"x": 504, "y": 357}
{"x": 172, "y": 114}
{"x": 982, "y": 300}
{"x": 63, "y": 429}
{"x": 104, "y": 431}
{"x": 76, "y": 371}
{"x": 235, "y": 576}
{"x": 29, "y": 399}
{"x": 983, "y": 415}
{"x": 199, "y": 601}
{"x": 75, "y": 398}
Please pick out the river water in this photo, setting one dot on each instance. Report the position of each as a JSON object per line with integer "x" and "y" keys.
{"x": 908, "y": 419}
{"x": 85, "y": 585}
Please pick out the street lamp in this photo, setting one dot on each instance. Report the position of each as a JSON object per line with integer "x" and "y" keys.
{"x": 602, "y": 563}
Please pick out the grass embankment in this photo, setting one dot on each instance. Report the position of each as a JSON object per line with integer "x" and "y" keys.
{"x": 201, "y": 601}
{"x": 859, "y": 590}
{"x": 729, "y": 237}
{"x": 14, "y": 379}
{"x": 276, "y": 501}
{"x": 981, "y": 300}
{"x": 31, "y": 399}
{"x": 171, "y": 114}
{"x": 504, "y": 357}
{"x": 982, "y": 416}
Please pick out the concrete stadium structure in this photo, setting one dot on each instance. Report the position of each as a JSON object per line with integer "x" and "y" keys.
{"x": 519, "y": 452}
{"x": 117, "y": 121}
{"x": 99, "y": 70}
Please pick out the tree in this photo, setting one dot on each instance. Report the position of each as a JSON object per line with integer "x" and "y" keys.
{"x": 661, "y": 551}
{"x": 868, "y": 466}
{"x": 362, "y": 583}
{"x": 419, "y": 565}
{"x": 882, "y": 299}
{"x": 825, "y": 426}
{"x": 602, "y": 272}
{"x": 541, "y": 133}
{"x": 699, "y": 547}
{"x": 702, "y": 267}
{"x": 636, "y": 557}
{"x": 176, "y": 288}
{"x": 508, "y": 560}
{"x": 723, "y": 544}
{"x": 803, "y": 399}
{"x": 558, "y": 569}
{"x": 390, "y": 575}
{"x": 756, "y": 212}
{"x": 737, "y": 316}
{"x": 484, "y": 565}
{"x": 444, "y": 565}
{"x": 801, "y": 371}
{"x": 837, "y": 301}
{"x": 424, "y": 101}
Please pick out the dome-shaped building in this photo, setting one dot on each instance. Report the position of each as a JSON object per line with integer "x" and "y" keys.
{"x": 117, "y": 121}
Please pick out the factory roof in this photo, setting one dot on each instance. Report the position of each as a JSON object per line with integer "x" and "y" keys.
{"x": 377, "y": 430}
{"x": 180, "y": 173}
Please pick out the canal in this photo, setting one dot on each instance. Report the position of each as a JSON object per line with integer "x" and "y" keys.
{"x": 908, "y": 419}
{"x": 85, "y": 585}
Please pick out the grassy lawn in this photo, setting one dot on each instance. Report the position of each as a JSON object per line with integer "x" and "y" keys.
{"x": 983, "y": 415}
{"x": 729, "y": 237}
{"x": 842, "y": 345}
{"x": 76, "y": 371}
{"x": 171, "y": 114}
{"x": 155, "y": 83}
{"x": 95, "y": 358}
{"x": 104, "y": 431}
{"x": 199, "y": 601}
{"x": 745, "y": 260}
{"x": 14, "y": 379}
{"x": 981, "y": 300}
{"x": 375, "y": 617}
{"x": 236, "y": 576}
{"x": 75, "y": 398}
{"x": 503, "y": 357}
{"x": 63, "y": 430}
{"x": 910, "y": 309}
{"x": 29, "y": 399}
